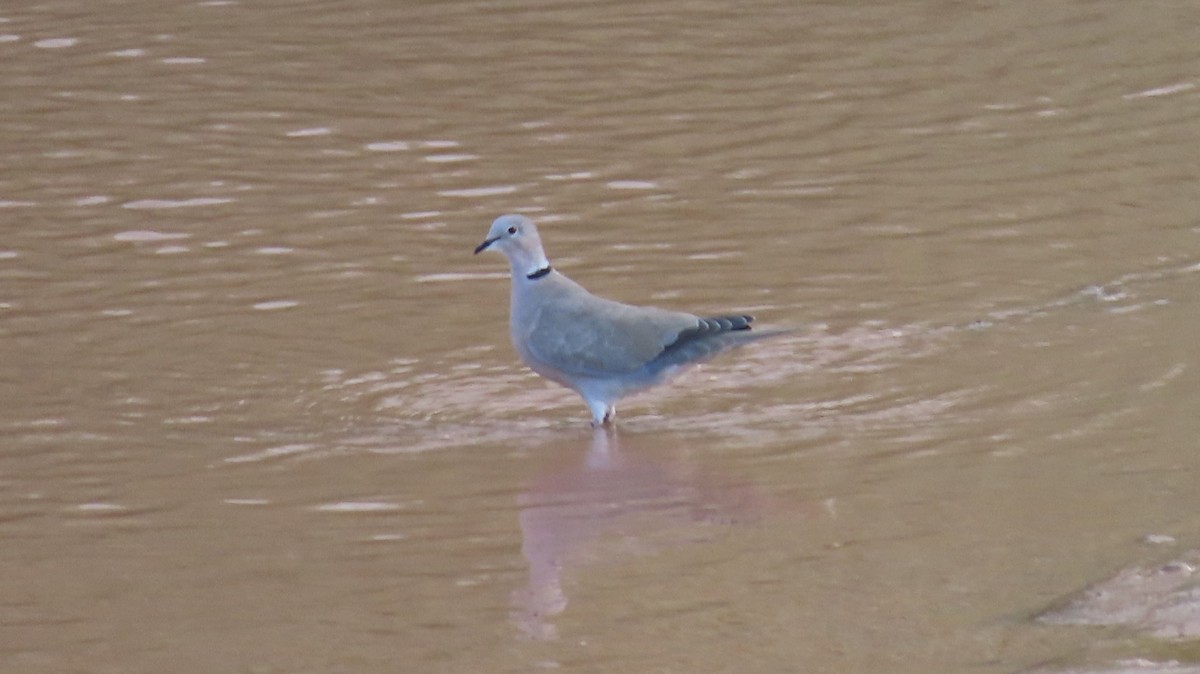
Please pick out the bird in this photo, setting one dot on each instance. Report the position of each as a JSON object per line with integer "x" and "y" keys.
{"x": 602, "y": 349}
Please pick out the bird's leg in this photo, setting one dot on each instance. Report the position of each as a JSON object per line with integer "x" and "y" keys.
{"x": 603, "y": 413}
{"x": 607, "y": 420}
{"x": 610, "y": 415}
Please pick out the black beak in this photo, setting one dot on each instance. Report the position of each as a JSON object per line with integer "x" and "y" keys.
{"x": 483, "y": 246}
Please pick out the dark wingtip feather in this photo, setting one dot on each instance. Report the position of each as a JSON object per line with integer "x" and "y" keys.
{"x": 719, "y": 324}
{"x": 742, "y": 322}
{"x": 702, "y": 341}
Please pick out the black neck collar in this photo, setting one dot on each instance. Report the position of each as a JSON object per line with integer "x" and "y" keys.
{"x": 539, "y": 273}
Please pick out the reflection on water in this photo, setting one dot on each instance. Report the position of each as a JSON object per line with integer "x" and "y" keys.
{"x": 608, "y": 503}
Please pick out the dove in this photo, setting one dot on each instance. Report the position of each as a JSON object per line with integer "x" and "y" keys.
{"x": 602, "y": 349}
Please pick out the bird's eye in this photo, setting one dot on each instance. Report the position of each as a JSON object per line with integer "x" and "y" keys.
{"x": 512, "y": 230}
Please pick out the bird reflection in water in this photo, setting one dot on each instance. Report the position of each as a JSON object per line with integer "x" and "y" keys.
{"x": 612, "y": 504}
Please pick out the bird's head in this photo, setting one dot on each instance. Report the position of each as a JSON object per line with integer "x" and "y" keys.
{"x": 516, "y": 237}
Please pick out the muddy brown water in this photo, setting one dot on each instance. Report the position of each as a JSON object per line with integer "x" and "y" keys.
{"x": 259, "y": 413}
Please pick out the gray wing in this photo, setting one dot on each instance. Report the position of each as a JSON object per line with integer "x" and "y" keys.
{"x": 594, "y": 337}
{"x": 704, "y": 341}
{"x": 602, "y": 338}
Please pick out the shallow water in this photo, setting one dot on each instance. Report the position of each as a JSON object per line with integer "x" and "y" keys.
{"x": 260, "y": 413}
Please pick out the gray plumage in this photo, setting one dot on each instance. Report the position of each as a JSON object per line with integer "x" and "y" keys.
{"x": 601, "y": 349}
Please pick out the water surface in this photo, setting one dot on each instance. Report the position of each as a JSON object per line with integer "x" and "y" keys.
{"x": 260, "y": 413}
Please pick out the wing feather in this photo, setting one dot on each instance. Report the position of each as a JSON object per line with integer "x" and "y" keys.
{"x": 602, "y": 338}
{"x": 705, "y": 340}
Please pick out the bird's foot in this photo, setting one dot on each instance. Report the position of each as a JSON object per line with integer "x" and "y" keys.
{"x": 609, "y": 418}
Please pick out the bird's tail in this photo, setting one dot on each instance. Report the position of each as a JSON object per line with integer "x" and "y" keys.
{"x": 712, "y": 336}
